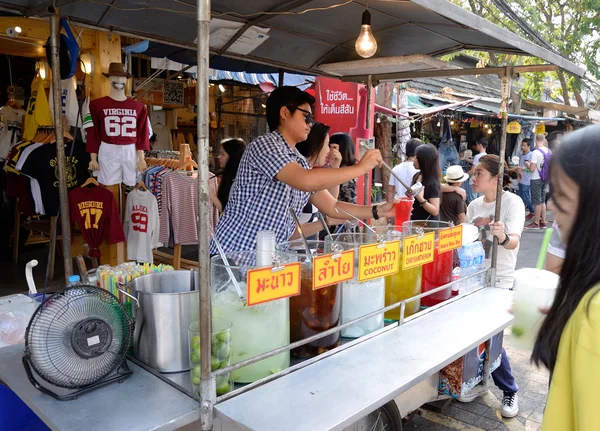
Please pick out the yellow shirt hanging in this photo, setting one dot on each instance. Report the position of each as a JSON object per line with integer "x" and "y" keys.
{"x": 38, "y": 110}
{"x": 574, "y": 398}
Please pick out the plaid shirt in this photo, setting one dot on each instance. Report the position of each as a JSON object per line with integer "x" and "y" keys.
{"x": 259, "y": 201}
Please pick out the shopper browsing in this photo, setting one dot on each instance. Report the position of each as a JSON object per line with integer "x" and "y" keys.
{"x": 405, "y": 170}
{"x": 568, "y": 343}
{"x": 274, "y": 177}
{"x": 508, "y": 231}
{"x": 427, "y": 202}
{"x": 525, "y": 181}
{"x": 453, "y": 208}
{"x": 540, "y": 156}
{"x": 229, "y": 157}
{"x": 347, "y": 149}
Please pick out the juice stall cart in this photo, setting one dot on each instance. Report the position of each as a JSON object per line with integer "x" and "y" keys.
{"x": 382, "y": 375}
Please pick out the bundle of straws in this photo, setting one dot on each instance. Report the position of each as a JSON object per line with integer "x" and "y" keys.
{"x": 109, "y": 276}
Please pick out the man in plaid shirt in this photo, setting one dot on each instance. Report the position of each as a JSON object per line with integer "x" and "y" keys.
{"x": 273, "y": 177}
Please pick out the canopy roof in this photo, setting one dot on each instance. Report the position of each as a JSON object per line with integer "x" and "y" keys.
{"x": 300, "y": 42}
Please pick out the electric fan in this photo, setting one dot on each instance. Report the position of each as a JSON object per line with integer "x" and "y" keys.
{"x": 77, "y": 340}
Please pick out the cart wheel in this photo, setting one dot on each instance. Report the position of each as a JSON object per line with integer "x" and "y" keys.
{"x": 386, "y": 418}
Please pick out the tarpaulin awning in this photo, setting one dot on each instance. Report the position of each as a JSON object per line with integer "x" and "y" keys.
{"x": 274, "y": 33}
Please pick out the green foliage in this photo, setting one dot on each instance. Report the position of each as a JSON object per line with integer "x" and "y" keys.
{"x": 571, "y": 27}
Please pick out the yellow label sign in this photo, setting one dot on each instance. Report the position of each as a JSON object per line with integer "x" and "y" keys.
{"x": 475, "y": 124}
{"x": 450, "y": 239}
{"x": 540, "y": 129}
{"x": 333, "y": 268}
{"x": 271, "y": 283}
{"x": 378, "y": 260}
{"x": 513, "y": 128}
{"x": 418, "y": 250}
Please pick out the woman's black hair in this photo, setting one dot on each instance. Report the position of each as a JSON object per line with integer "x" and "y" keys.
{"x": 292, "y": 97}
{"x": 347, "y": 148}
{"x": 578, "y": 156}
{"x": 314, "y": 141}
{"x": 429, "y": 165}
{"x": 235, "y": 149}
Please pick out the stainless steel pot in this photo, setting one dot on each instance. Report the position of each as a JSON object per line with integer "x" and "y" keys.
{"x": 166, "y": 304}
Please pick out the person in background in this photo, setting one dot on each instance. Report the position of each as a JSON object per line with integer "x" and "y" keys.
{"x": 453, "y": 208}
{"x": 427, "y": 202}
{"x": 317, "y": 150}
{"x": 347, "y": 149}
{"x": 466, "y": 162}
{"x": 230, "y": 155}
{"x": 274, "y": 178}
{"x": 481, "y": 148}
{"x": 538, "y": 186}
{"x": 405, "y": 170}
{"x": 508, "y": 230}
{"x": 568, "y": 343}
{"x": 525, "y": 181}
{"x": 556, "y": 250}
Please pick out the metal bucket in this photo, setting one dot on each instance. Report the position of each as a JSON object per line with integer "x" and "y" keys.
{"x": 166, "y": 304}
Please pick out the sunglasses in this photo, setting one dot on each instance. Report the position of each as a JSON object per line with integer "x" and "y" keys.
{"x": 308, "y": 118}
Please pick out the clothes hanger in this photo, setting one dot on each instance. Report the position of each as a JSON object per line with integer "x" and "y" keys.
{"x": 90, "y": 181}
{"x": 141, "y": 185}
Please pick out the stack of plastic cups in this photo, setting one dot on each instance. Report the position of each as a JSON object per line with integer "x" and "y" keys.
{"x": 265, "y": 248}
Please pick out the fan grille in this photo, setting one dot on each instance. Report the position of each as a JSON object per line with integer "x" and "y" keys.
{"x": 49, "y": 337}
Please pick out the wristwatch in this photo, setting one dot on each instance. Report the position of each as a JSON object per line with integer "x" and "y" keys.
{"x": 506, "y": 240}
{"x": 374, "y": 211}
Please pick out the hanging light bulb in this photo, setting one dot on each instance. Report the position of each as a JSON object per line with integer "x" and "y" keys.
{"x": 378, "y": 119}
{"x": 438, "y": 124}
{"x": 490, "y": 131}
{"x": 452, "y": 122}
{"x": 366, "y": 45}
{"x": 221, "y": 88}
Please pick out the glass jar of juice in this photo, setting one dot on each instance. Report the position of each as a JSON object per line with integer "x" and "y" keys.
{"x": 359, "y": 299}
{"x": 313, "y": 311}
{"x": 404, "y": 284}
{"x": 256, "y": 329}
{"x": 404, "y": 207}
{"x": 438, "y": 272}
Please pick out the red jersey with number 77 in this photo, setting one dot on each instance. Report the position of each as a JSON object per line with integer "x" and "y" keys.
{"x": 117, "y": 123}
{"x": 95, "y": 211}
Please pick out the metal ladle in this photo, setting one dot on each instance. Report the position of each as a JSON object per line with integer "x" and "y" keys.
{"x": 410, "y": 191}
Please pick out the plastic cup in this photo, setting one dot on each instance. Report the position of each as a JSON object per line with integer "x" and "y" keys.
{"x": 404, "y": 208}
{"x": 534, "y": 288}
{"x": 220, "y": 355}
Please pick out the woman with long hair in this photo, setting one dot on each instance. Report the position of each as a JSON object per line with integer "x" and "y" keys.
{"x": 229, "y": 157}
{"x": 568, "y": 343}
{"x": 508, "y": 229}
{"x": 317, "y": 150}
{"x": 427, "y": 202}
{"x": 347, "y": 149}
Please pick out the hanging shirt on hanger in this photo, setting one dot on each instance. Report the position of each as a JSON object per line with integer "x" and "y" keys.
{"x": 179, "y": 212}
{"x": 11, "y": 126}
{"x": 38, "y": 110}
{"x": 42, "y": 165}
{"x": 70, "y": 107}
{"x": 95, "y": 211}
{"x": 141, "y": 225}
{"x": 163, "y": 138}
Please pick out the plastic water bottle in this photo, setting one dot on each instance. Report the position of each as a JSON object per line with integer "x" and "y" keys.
{"x": 478, "y": 253}
{"x": 466, "y": 267}
{"x": 73, "y": 280}
{"x": 455, "y": 277}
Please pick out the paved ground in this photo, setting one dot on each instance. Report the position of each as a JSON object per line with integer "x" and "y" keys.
{"x": 484, "y": 412}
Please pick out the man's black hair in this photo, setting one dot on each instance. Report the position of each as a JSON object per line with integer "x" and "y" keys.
{"x": 292, "y": 97}
{"x": 411, "y": 146}
{"x": 483, "y": 142}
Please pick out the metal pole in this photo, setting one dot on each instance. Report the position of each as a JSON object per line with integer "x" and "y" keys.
{"x": 506, "y": 83}
{"x": 207, "y": 382}
{"x": 60, "y": 142}
{"x": 280, "y": 80}
{"x": 366, "y": 188}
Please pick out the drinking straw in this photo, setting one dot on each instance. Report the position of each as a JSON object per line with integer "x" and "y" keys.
{"x": 299, "y": 227}
{"x": 227, "y": 266}
{"x": 544, "y": 249}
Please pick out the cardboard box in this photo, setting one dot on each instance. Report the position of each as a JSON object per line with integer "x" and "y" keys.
{"x": 461, "y": 376}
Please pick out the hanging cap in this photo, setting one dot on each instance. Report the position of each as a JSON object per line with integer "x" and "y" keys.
{"x": 117, "y": 69}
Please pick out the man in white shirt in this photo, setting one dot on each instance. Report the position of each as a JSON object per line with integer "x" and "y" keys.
{"x": 538, "y": 186}
{"x": 405, "y": 170}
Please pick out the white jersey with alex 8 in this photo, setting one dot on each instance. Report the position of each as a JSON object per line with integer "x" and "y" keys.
{"x": 141, "y": 225}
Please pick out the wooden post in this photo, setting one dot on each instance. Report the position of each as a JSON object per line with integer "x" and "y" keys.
{"x": 108, "y": 50}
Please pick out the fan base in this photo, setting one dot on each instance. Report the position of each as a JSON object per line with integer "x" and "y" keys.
{"x": 121, "y": 373}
